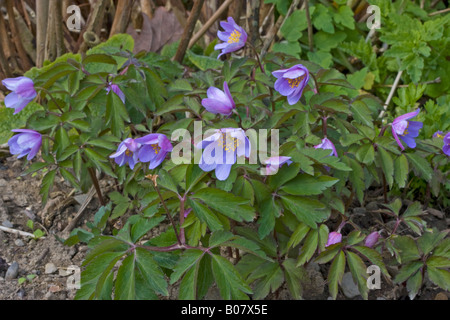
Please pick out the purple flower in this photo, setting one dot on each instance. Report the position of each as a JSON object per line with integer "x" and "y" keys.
{"x": 327, "y": 145}
{"x": 23, "y": 93}
{"x": 154, "y": 149}
{"x": 127, "y": 153}
{"x": 438, "y": 134}
{"x": 219, "y": 101}
{"x": 274, "y": 163}
{"x": 234, "y": 37}
{"x": 187, "y": 212}
{"x": 291, "y": 82}
{"x": 115, "y": 88}
{"x": 446, "y": 148}
{"x": 222, "y": 149}
{"x": 406, "y": 130}
{"x": 372, "y": 239}
{"x": 333, "y": 238}
{"x": 27, "y": 142}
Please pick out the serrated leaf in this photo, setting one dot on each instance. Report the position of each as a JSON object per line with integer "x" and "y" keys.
{"x": 358, "y": 270}
{"x": 401, "y": 170}
{"x": 309, "y": 247}
{"x": 305, "y": 185}
{"x": 420, "y": 165}
{"x": 336, "y": 273}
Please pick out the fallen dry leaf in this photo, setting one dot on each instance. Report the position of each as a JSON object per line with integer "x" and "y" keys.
{"x": 162, "y": 29}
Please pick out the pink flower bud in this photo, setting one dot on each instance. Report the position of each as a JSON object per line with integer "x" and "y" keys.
{"x": 372, "y": 239}
{"x": 333, "y": 238}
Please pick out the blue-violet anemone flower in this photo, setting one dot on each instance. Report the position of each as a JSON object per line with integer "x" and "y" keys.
{"x": 327, "y": 145}
{"x": 234, "y": 37}
{"x": 219, "y": 101}
{"x": 27, "y": 142}
{"x": 22, "y": 94}
{"x": 115, "y": 88}
{"x": 154, "y": 149}
{"x": 446, "y": 147}
{"x": 222, "y": 149}
{"x": 127, "y": 153}
{"x": 406, "y": 130}
{"x": 291, "y": 82}
{"x": 274, "y": 163}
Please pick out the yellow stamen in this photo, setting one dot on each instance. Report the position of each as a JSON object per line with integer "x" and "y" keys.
{"x": 294, "y": 83}
{"x": 129, "y": 153}
{"x": 156, "y": 148}
{"x": 234, "y": 37}
{"x": 228, "y": 143}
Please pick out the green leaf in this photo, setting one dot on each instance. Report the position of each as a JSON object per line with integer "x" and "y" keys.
{"x": 329, "y": 253}
{"x": 309, "y": 247}
{"x": 46, "y": 185}
{"x": 362, "y": 113}
{"x": 203, "y": 62}
{"x": 284, "y": 174}
{"x": 413, "y": 285}
{"x": 429, "y": 240}
{"x": 366, "y": 154}
{"x": 126, "y": 280}
{"x": 230, "y": 205}
{"x": 439, "y": 277}
{"x": 401, "y": 170}
{"x": 335, "y": 274}
{"x": 188, "y": 259}
{"x": 205, "y": 215}
{"x": 407, "y": 271}
{"x": 358, "y": 270}
{"x": 298, "y": 235}
{"x": 388, "y": 166}
{"x": 230, "y": 283}
{"x": 293, "y": 277}
{"x": 307, "y": 185}
{"x": 306, "y": 210}
{"x": 150, "y": 273}
{"x": 269, "y": 278}
{"x": 407, "y": 248}
{"x": 374, "y": 257}
{"x": 420, "y": 165}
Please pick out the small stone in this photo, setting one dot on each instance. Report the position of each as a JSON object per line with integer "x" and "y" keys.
{"x": 441, "y": 296}
{"x": 372, "y": 206}
{"x": 7, "y": 224}
{"x": 12, "y": 271}
{"x": 3, "y": 183}
{"x": 54, "y": 289}
{"x": 50, "y": 268}
{"x": 349, "y": 287}
{"x": 19, "y": 243}
{"x": 381, "y": 298}
{"x": 360, "y": 211}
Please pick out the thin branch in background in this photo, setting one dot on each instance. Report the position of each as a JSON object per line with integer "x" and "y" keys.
{"x": 41, "y": 30}
{"x": 122, "y": 17}
{"x": 25, "y": 62}
{"x": 391, "y": 94}
{"x": 210, "y": 22}
{"x": 94, "y": 24}
{"x": 310, "y": 29}
{"x": 188, "y": 30}
{"x": 276, "y": 27}
{"x": 50, "y": 41}
{"x": 438, "y": 12}
{"x": 147, "y": 8}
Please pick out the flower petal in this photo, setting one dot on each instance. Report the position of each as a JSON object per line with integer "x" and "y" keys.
{"x": 223, "y": 171}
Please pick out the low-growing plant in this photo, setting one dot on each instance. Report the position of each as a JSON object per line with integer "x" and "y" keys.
{"x": 230, "y": 212}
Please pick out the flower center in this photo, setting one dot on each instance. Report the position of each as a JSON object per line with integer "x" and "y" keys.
{"x": 294, "y": 83}
{"x": 438, "y": 135}
{"x": 228, "y": 143}
{"x": 401, "y": 128}
{"x": 128, "y": 153}
{"x": 234, "y": 37}
{"x": 156, "y": 148}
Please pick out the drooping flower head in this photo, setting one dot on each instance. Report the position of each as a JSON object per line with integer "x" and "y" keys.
{"x": 446, "y": 147}
{"x": 154, "y": 149}
{"x": 115, "y": 88}
{"x": 222, "y": 149}
{"x": 27, "y": 142}
{"x": 274, "y": 163}
{"x": 291, "y": 82}
{"x": 406, "y": 130}
{"x": 327, "y": 145}
{"x": 372, "y": 239}
{"x": 333, "y": 238}
{"x": 234, "y": 37}
{"x": 127, "y": 153}
{"x": 219, "y": 101}
{"x": 22, "y": 94}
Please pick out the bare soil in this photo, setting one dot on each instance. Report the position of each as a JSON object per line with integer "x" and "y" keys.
{"x": 48, "y": 263}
